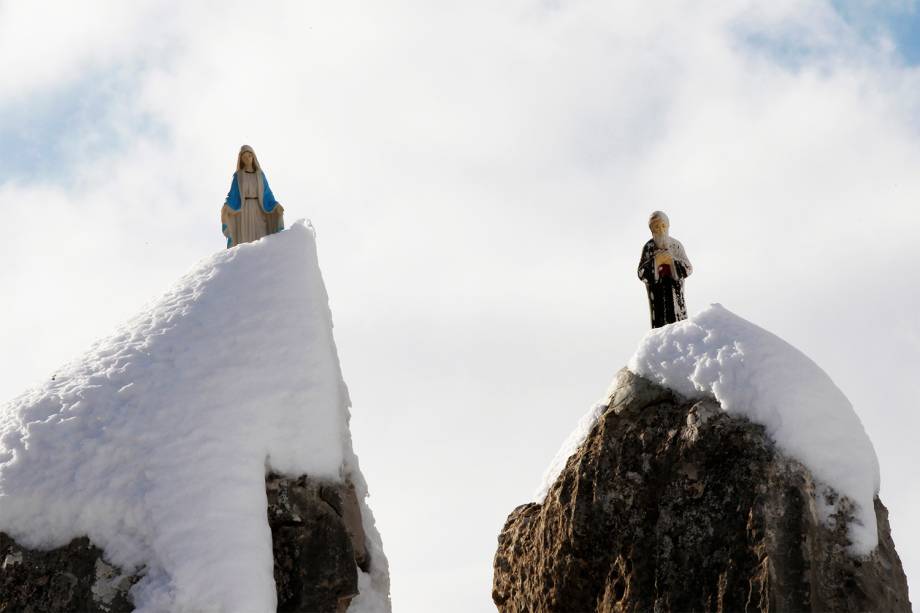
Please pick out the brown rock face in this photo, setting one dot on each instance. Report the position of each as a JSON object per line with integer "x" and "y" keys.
{"x": 315, "y": 561}
{"x": 673, "y": 505}
{"x": 314, "y": 537}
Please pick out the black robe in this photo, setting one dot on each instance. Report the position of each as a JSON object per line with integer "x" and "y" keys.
{"x": 665, "y": 287}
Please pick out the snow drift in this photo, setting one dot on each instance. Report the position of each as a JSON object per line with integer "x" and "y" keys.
{"x": 757, "y": 375}
{"x": 155, "y": 444}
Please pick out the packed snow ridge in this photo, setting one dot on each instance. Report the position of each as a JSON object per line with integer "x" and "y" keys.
{"x": 155, "y": 444}
{"x": 757, "y": 375}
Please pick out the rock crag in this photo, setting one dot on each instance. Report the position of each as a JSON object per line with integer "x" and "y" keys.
{"x": 674, "y": 505}
{"x": 317, "y": 540}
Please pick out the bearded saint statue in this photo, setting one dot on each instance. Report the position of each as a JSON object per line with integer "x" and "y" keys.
{"x": 250, "y": 210}
{"x": 663, "y": 268}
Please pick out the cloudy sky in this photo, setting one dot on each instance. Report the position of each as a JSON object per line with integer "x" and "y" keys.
{"x": 479, "y": 175}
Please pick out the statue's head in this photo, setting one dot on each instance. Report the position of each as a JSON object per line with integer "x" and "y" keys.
{"x": 659, "y": 224}
{"x": 247, "y": 160}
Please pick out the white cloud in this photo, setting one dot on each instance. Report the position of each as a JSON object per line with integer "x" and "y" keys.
{"x": 480, "y": 176}
{"x": 47, "y": 44}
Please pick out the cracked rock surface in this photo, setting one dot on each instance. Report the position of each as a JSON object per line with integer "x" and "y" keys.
{"x": 674, "y": 505}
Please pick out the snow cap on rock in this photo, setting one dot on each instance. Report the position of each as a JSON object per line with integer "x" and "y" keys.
{"x": 155, "y": 443}
{"x": 755, "y": 374}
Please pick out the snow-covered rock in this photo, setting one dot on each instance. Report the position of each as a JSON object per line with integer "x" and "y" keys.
{"x": 669, "y": 503}
{"x": 722, "y": 471}
{"x": 156, "y": 443}
{"x": 755, "y": 374}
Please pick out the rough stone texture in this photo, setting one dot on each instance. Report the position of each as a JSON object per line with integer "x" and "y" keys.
{"x": 315, "y": 540}
{"x": 673, "y": 505}
{"x": 69, "y": 578}
{"x": 315, "y": 562}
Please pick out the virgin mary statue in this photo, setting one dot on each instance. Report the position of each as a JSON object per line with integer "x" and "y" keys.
{"x": 250, "y": 210}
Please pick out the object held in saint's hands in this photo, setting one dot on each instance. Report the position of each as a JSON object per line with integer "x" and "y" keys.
{"x": 663, "y": 263}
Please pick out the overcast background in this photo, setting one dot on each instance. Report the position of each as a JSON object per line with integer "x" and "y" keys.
{"x": 479, "y": 175}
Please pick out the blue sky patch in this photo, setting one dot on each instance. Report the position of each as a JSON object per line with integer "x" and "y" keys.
{"x": 899, "y": 20}
{"x": 45, "y": 136}
{"x": 792, "y": 46}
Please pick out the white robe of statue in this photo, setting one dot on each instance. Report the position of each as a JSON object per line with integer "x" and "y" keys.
{"x": 252, "y": 218}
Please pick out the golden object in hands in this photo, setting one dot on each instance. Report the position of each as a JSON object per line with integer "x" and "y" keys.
{"x": 663, "y": 257}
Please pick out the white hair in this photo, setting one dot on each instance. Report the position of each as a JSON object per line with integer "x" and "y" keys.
{"x": 659, "y": 215}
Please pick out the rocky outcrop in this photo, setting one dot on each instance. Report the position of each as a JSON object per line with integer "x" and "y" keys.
{"x": 674, "y": 505}
{"x": 70, "y": 578}
{"x": 317, "y": 539}
{"x": 316, "y": 543}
